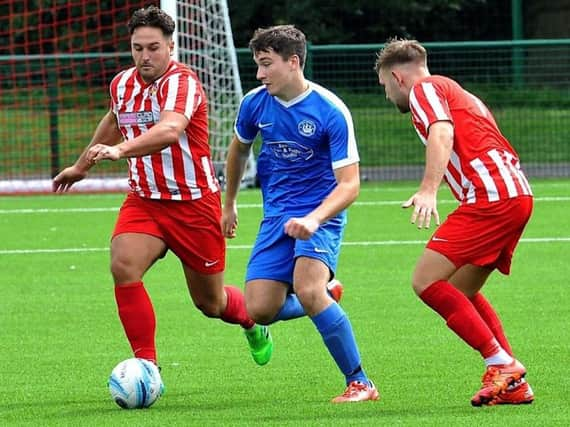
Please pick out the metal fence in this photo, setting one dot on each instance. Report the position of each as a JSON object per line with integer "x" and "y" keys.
{"x": 525, "y": 83}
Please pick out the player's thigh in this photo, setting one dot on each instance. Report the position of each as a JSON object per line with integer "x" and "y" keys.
{"x": 264, "y": 298}
{"x": 324, "y": 246}
{"x": 469, "y": 278}
{"x": 132, "y": 254}
{"x": 431, "y": 267}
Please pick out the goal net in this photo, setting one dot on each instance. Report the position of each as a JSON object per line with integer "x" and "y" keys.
{"x": 205, "y": 42}
{"x": 56, "y": 63}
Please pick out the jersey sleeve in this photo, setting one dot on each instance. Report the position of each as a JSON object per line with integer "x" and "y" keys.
{"x": 342, "y": 139}
{"x": 428, "y": 104}
{"x": 180, "y": 93}
{"x": 245, "y": 127}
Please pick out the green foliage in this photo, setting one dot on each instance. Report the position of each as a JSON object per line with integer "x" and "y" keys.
{"x": 371, "y": 21}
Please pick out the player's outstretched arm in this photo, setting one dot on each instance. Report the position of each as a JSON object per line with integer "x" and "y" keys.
{"x": 438, "y": 153}
{"x": 238, "y": 154}
{"x": 107, "y": 133}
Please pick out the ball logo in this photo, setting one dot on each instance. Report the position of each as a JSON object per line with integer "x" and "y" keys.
{"x": 306, "y": 127}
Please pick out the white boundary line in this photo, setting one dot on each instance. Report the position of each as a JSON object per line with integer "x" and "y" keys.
{"x": 241, "y": 206}
{"x": 240, "y": 247}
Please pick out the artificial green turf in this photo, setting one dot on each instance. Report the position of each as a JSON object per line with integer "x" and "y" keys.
{"x": 61, "y": 335}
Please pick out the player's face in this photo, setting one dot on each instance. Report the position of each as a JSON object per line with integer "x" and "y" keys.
{"x": 275, "y": 73}
{"x": 151, "y": 52}
{"x": 395, "y": 92}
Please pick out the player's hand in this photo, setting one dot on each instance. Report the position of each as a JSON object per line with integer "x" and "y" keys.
{"x": 229, "y": 222}
{"x": 301, "y": 228}
{"x": 66, "y": 178}
{"x": 425, "y": 206}
{"x": 103, "y": 152}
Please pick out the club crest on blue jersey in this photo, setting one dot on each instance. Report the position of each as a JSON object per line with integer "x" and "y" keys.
{"x": 307, "y": 127}
{"x": 291, "y": 150}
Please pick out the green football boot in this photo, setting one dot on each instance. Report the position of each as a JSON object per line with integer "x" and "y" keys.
{"x": 260, "y": 344}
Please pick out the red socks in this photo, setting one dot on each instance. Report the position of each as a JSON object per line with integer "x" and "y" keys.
{"x": 489, "y": 315}
{"x": 461, "y": 316}
{"x": 138, "y": 319}
{"x": 235, "y": 311}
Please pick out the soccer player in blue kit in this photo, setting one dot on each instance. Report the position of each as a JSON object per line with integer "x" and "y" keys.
{"x": 309, "y": 174}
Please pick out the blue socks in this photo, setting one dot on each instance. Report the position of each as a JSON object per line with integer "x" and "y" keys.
{"x": 336, "y": 330}
{"x": 291, "y": 309}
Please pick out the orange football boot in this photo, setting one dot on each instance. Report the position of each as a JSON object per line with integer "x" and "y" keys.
{"x": 518, "y": 394}
{"x": 496, "y": 380}
{"x": 335, "y": 289}
{"x": 358, "y": 391}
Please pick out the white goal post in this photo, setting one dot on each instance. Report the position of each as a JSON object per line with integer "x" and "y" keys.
{"x": 203, "y": 40}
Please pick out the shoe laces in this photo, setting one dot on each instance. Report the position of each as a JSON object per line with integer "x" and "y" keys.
{"x": 354, "y": 388}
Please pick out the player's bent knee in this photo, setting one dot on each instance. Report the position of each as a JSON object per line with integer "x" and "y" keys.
{"x": 210, "y": 309}
{"x": 260, "y": 314}
{"x": 419, "y": 285}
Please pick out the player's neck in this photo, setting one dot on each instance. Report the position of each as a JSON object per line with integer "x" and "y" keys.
{"x": 294, "y": 90}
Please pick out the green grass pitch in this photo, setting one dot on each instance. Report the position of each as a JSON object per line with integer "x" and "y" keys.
{"x": 60, "y": 334}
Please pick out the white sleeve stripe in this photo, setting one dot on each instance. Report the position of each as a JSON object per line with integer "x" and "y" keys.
{"x": 170, "y": 102}
{"x": 505, "y": 174}
{"x": 434, "y": 101}
{"x": 352, "y": 149}
{"x": 344, "y": 162}
{"x": 418, "y": 110}
{"x": 490, "y": 187}
{"x": 189, "y": 108}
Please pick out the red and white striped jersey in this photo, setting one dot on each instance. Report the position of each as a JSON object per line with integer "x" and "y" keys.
{"x": 484, "y": 167}
{"x": 181, "y": 171}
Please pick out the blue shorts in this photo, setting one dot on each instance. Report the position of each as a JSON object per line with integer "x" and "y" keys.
{"x": 274, "y": 253}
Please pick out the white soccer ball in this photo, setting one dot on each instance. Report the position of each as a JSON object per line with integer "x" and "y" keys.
{"x": 135, "y": 383}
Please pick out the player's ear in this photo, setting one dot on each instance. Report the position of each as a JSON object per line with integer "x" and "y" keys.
{"x": 295, "y": 61}
{"x": 398, "y": 77}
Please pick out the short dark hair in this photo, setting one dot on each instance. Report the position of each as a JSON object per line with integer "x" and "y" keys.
{"x": 284, "y": 40}
{"x": 400, "y": 51}
{"x": 152, "y": 16}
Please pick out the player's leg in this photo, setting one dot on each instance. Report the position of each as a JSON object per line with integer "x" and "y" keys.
{"x": 269, "y": 275}
{"x": 136, "y": 244}
{"x": 310, "y": 279}
{"x": 470, "y": 237}
{"x": 132, "y": 254}
{"x": 227, "y": 303}
{"x": 293, "y": 309}
{"x": 469, "y": 279}
{"x": 431, "y": 284}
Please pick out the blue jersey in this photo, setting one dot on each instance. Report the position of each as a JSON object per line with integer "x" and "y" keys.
{"x": 303, "y": 141}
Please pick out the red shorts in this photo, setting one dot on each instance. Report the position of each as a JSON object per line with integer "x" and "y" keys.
{"x": 190, "y": 229}
{"x": 483, "y": 236}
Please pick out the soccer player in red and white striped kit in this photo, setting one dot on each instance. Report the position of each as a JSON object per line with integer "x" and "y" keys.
{"x": 465, "y": 148}
{"x": 158, "y": 121}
